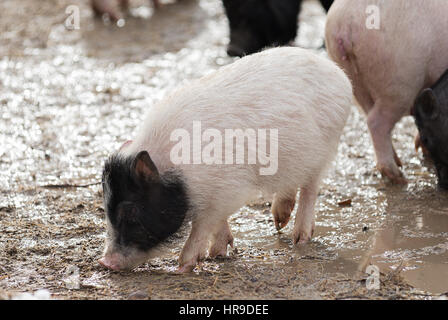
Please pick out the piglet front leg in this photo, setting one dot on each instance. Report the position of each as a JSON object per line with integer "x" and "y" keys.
{"x": 304, "y": 223}
{"x": 195, "y": 248}
{"x": 282, "y": 207}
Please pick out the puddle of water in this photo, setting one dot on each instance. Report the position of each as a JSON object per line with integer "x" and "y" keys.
{"x": 415, "y": 237}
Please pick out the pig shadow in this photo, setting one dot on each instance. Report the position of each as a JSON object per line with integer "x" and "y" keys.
{"x": 167, "y": 29}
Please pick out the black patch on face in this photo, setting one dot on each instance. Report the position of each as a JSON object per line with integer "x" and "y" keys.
{"x": 431, "y": 117}
{"x": 144, "y": 208}
{"x": 256, "y": 24}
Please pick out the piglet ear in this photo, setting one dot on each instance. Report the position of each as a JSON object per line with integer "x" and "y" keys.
{"x": 428, "y": 102}
{"x": 124, "y": 145}
{"x": 144, "y": 168}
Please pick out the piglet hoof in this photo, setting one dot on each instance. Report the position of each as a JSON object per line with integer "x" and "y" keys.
{"x": 280, "y": 223}
{"x": 281, "y": 210}
{"x": 219, "y": 249}
{"x": 300, "y": 237}
{"x": 187, "y": 262}
{"x": 394, "y": 174}
{"x": 281, "y": 218}
{"x": 215, "y": 253}
{"x": 185, "y": 269}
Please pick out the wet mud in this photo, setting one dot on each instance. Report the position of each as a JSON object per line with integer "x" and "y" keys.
{"x": 68, "y": 98}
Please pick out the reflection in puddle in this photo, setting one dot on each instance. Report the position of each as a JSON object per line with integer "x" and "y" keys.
{"x": 415, "y": 238}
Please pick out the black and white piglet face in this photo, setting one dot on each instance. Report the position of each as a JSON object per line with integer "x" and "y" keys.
{"x": 431, "y": 117}
{"x": 143, "y": 209}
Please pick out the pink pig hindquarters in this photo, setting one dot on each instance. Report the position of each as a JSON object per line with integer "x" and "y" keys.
{"x": 306, "y": 97}
{"x": 390, "y": 65}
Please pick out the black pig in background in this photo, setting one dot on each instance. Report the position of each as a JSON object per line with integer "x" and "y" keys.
{"x": 431, "y": 116}
{"x": 256, "y": 24}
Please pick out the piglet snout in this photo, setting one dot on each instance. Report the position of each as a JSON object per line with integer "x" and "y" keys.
{"x": 109, "y": 263}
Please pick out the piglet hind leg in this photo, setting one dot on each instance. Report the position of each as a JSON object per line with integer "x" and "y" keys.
{"x": 282, "y": 207}
{"x": 221, "y": 239}
{"x": 195, "y": 248}
{"x": 304, "y": 223}
{"x": 381, "y": 123}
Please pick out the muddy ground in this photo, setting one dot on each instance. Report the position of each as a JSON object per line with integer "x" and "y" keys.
{"x": 68, "y": 98}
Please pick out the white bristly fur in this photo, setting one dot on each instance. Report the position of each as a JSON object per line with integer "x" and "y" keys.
{"x": 306, "y": 97}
